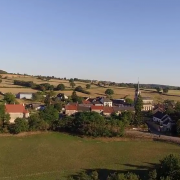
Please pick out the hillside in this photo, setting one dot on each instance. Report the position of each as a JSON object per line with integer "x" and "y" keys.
{"x": 7, "y": 85}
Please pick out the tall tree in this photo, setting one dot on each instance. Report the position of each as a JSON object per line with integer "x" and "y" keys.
{"x": 72, "y": 84}
{"x": 88, "y": 86}
{"x": 9, "y": 98}
{"x": 4, "y": 117}
{"x": 138, "y": 111}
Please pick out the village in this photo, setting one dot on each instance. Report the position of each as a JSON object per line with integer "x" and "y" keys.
{"x": 104, "y": 106}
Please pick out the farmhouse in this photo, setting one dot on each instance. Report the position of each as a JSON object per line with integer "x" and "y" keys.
{"x": 24, "y": 95}
{"x": 106, "y": 102}
{"x": 71, "y": 109}
{"x": 16, "y": 111}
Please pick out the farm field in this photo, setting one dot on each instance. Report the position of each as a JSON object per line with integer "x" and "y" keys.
{"x": 8, "y": 86}
{"x": 53, "y": 156}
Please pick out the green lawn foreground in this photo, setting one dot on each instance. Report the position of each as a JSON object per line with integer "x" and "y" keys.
{"x": 53, "y": 156}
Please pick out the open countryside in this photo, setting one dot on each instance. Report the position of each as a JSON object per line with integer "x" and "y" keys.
{"x": 54, "y": 156}
{"x": 7, "y": 85}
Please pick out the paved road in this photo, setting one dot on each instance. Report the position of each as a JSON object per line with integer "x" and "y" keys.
{"x": 153, "y": 135}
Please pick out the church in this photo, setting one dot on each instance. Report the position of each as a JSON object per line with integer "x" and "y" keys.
{"x": 147, "y": 101}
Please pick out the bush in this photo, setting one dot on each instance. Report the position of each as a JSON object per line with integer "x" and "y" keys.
{"x": 21, "y": 125}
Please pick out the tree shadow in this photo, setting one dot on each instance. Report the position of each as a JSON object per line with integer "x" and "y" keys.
{"x": 141, "y": 170}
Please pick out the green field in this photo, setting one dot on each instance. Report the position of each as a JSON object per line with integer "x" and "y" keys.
{"x": 53, "y": 156}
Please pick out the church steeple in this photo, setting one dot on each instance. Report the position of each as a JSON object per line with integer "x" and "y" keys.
{"x": 137, "y": 91}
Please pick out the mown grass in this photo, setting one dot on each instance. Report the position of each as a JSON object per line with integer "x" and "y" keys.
{"x": 53, "y": 156}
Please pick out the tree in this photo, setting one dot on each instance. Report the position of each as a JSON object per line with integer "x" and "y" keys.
{"x": 129, "y": 101}
{"x": 71, "y": 80}
{"x": 152, "y": 175}
{"x": 58, "y": 106}
{"x": 88, "y": 86}
{"x": 109, "y": 92}
{"x": 47, "y": 100}
{"x": 0, "y": 80}
{"x": 20, "y": 125}
{"x": 61, "y": 87}
{"x": 158, "y": 89}
{"x": 9, "y": 98}
{"x": 169, "y": 166}
{"x": 49, "y": 114}
{"x": 37, "y": 97}
{"x": 37, "y": 123}
{"x": 72, "y": 84}
{"x": 76, "y": 98}
{"x": 165, "y": 90}
{"x": 4, "y": 117}
{"x": 138, "y": 114}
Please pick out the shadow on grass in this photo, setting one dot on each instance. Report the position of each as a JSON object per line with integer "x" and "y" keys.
{"x": 141, "y": 171}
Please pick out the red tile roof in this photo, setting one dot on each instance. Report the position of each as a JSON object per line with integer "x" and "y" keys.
{"x": 15, "y": 108}
{"x": 108, "y": 110}
{"x": 86, "y": 102}
{"x": 71, "y": 107}
{"x": 96, "y": 107}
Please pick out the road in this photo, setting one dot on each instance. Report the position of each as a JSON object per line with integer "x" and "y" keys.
{"x": 153, "y": 135}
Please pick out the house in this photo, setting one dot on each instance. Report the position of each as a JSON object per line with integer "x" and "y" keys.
{"x": 107, "y": 111}
{"x": 16, "y": 111}
{"x": 98, "y": 109}
{"x": 158, "y": 116}
{"x": 24, "y": 95}
{"x": 167, "y": 125}
{"x": 118, "y": 102}
{"x": 83, "y": 108}
{"x": 62, "y": 96}
{"x": 71, "y": 109}
{"x": 106, "y": 102}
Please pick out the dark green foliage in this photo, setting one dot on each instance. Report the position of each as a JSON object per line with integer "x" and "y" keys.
{"x": 41, "y": 87}
{"x": 9, "y": 98}
{"x": 129, "y": 101}
{"x": 88, "y": 86}
{"x": 138, "y": 111}
{"x": 36, "y": 123}
{"x": 169, "y": 166}
{"x": 158, "y": 89}
{"x": 60, "y": 87}
{"x": 58, "y": 106}
{"x": 109, "y": 92}
{"x": 92, "y": 124}
{"x": 21, "y": 125}
{"x": 76, "y": 98}
{"x": 49, "y": 114}
{"x": 4, "y": 117}
{"x": 152, "y": 175}
{"x": 165, "y": 90}
{"x": 80, "y": 89}
{"x": 122, "y": 176}
{"x": 38, "y": 97}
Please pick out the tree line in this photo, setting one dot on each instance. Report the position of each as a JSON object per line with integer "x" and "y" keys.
{"x": 168, "y": 168}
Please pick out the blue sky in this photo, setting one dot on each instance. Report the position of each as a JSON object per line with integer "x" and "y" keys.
{"x": 117, "y": 40}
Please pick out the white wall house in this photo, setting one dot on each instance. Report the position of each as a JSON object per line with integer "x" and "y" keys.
{"x": 16, "y": 111}
{"x": 24, "y": 95}
{"x": 106, "y": 102}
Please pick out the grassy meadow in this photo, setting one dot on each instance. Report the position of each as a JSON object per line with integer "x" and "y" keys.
{"x": 8, "y": 86}
{"x": 54, "y": 156}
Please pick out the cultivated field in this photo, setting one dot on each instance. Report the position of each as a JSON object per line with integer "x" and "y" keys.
{"x": 8, "y": 86}
{"x": 53, "y": 156}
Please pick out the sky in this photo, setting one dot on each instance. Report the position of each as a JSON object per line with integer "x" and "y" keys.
{"x": 113, "y": 40}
